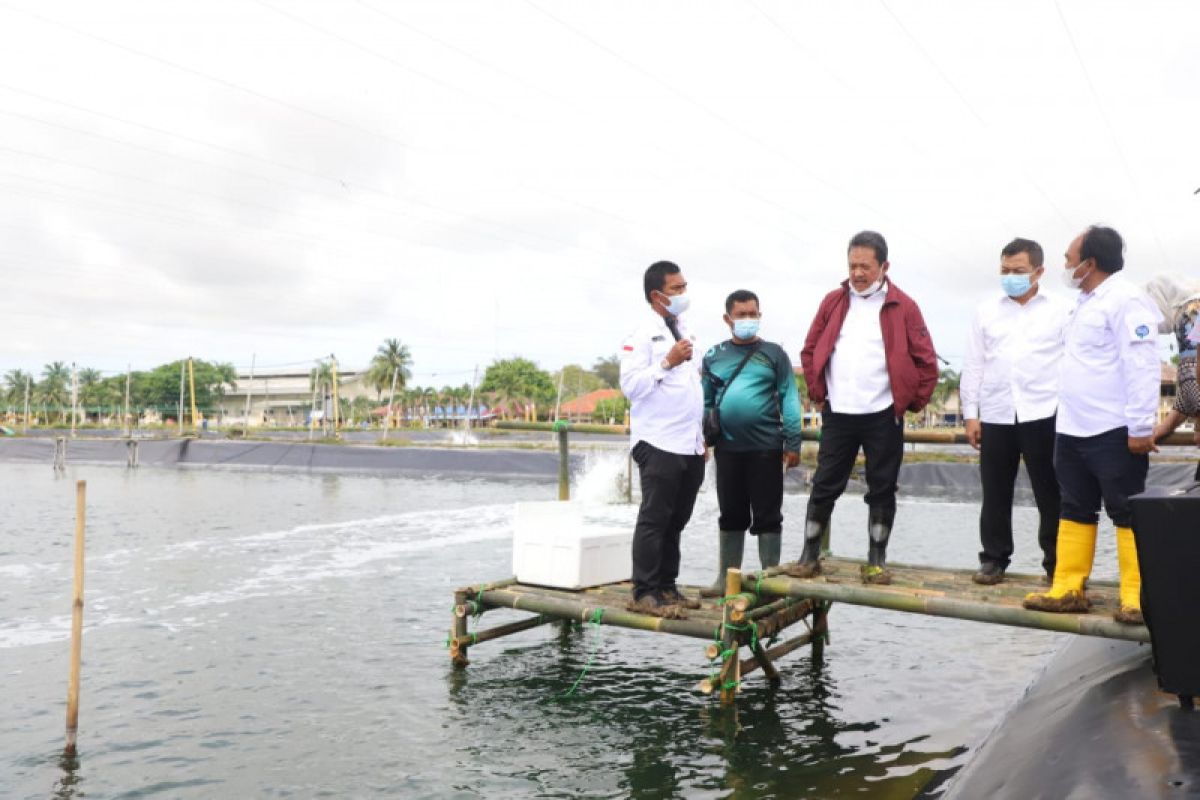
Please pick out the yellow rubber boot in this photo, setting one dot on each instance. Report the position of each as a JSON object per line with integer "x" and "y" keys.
{"x": 1130, "y": 611}
{"x": 1076, "y": 550}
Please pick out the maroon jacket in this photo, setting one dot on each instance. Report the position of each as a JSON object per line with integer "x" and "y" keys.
{"x": 911, "y": 360}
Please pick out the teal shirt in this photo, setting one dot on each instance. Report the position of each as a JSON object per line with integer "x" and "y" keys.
{"x": 761, "y": 409}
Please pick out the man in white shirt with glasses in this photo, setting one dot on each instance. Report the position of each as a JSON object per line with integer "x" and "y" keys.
{"x": 1009, "y": 394}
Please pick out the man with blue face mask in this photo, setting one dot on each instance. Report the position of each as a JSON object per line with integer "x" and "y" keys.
{"x": 1009, "y": 395}
{"x": 751, "y": 384}
{"x": 666, "y": 403}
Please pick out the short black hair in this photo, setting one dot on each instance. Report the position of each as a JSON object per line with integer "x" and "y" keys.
{"x": 1104, "y": 245}
{"x": 741, "y": 296}
{"x": 1019, "y": 245}
{"x": 656, "y": 276}
{"x": 873, "y": 240}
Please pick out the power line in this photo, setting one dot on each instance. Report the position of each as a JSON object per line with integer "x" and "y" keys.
{"x": 1112, "y": 134}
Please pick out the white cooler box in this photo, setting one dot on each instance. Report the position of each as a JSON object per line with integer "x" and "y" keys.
{"x": 553, "y": 547}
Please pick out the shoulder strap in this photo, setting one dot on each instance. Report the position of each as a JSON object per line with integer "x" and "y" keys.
{"x": 733, "y": 377}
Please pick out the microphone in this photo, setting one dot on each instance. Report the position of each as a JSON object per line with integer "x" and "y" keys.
{"x": 672, "y": 326}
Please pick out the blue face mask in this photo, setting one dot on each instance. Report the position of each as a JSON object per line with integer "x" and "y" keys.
{"x": 1015, "y": 285}
{"x": 745, "y": 328}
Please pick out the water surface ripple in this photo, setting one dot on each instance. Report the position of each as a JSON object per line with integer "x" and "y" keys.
{"x": 282, "y": 635}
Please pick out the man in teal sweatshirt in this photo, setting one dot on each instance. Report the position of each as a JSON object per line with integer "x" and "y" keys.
{"x": 751, "y": 383}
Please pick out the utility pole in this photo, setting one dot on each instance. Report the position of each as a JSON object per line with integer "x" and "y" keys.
{"x": 312, "y": 412}
{"x": 250, "y": 389}
{"x": 387, "y": 418}
{"x": 28, "y": 382}
{"x": 558, "y": 403}
{"x": 179, "y": 414}
{"x": 128, "y": 421}
{"x": 336, "y": 402}
{"x": 74, "y": 397}
{"x": 192, "y": 385}
{"x": 471, "y": 399}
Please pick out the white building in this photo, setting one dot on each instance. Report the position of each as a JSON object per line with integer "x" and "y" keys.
{"x": 286, "y": 397}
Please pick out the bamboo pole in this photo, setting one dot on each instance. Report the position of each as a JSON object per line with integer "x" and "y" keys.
{"x": 76, "y": 620}
{"x": 582, "y": 611}
{"x": 730, "y": 668}
{"x": 820, "y": 628}
{"x": 896, "y": 599}
{"x": 761, "y": 658}
{"x": 479, "y": 637}
{"x": 778, "y": 651}
{"x": 458, "y": 632}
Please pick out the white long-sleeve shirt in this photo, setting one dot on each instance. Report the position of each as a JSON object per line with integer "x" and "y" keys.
{"x": 667, "y": 405}
{"x": 1011, "y": 369}
{"x": 1110, "y": 374}
{"x": 857, "y": 376}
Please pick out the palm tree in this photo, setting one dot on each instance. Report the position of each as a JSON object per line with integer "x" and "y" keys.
{"x": 947, "y": 387}
{"x": 391, "y": 357}
{"x": 52, "y": 391}
{"x": 320, "y": 379}
{"x": 89, "y": 386}
{"x": 15, "y": 381}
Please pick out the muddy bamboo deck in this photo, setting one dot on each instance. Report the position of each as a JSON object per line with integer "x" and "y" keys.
{"x": 758, "y": 608}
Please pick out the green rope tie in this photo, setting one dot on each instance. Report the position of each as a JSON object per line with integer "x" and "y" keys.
{"x": 594, "y": 621}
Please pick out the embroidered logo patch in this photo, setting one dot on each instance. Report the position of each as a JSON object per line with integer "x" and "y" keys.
{"x": 1142, "y": 331}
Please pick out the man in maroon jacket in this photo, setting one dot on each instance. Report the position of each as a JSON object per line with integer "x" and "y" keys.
{"x": 867, "y": 359}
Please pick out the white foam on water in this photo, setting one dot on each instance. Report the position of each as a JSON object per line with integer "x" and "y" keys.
{"x": 463, "y": 438}
{"x": 267, "y": 564}
{"x": 603, "y": 479}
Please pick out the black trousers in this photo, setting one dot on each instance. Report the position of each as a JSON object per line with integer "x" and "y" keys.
{"x": 1001, "y": 449}
{"x": 881, "y": 437}
{"x": 1095, "y": 468}
{"x": 750, "y": 490}
{"x": 669, "y": 486}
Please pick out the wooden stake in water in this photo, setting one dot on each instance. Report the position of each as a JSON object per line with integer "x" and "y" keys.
{"x": 564, "y": 461}
{"x": 76, "y": 620}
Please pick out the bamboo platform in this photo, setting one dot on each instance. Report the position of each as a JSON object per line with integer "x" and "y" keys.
{"x": 761, "y": 606}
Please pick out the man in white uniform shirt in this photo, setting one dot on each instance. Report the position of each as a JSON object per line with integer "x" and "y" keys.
{"x": 1108, "y": 402}
{"x": 1009, "y": 394}
{"x": 667, "y": 404}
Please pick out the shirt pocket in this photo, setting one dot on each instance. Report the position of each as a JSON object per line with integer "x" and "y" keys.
{"x": 1092, "y": 334}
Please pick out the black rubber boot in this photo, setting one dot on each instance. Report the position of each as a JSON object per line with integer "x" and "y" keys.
{"x": 816, "y": 536}
{"x": 732, "y": 543}
{"x": 879, "y": 528}
{"x": 769, "y": 545}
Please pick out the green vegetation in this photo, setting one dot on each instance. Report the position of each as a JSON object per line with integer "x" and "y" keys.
{"x": 99, "y": 396}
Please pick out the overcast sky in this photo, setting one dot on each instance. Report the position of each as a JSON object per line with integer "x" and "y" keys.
{"x": 487, "y": 179}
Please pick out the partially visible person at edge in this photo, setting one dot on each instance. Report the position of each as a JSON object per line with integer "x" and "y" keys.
{"x": 1009, "y": 395}
{"x": 760, "y": 430}
{"x": 868, "y": 359}
{"x": 1187, "y": 391}
{"x": 663, "y": 386}
{"x": 1108, "y": 400}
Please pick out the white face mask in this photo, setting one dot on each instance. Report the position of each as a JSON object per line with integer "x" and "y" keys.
{"x": 870, "y": 290}
{"x": 677, "y": 304}
{"x": 1069, "y": 276}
